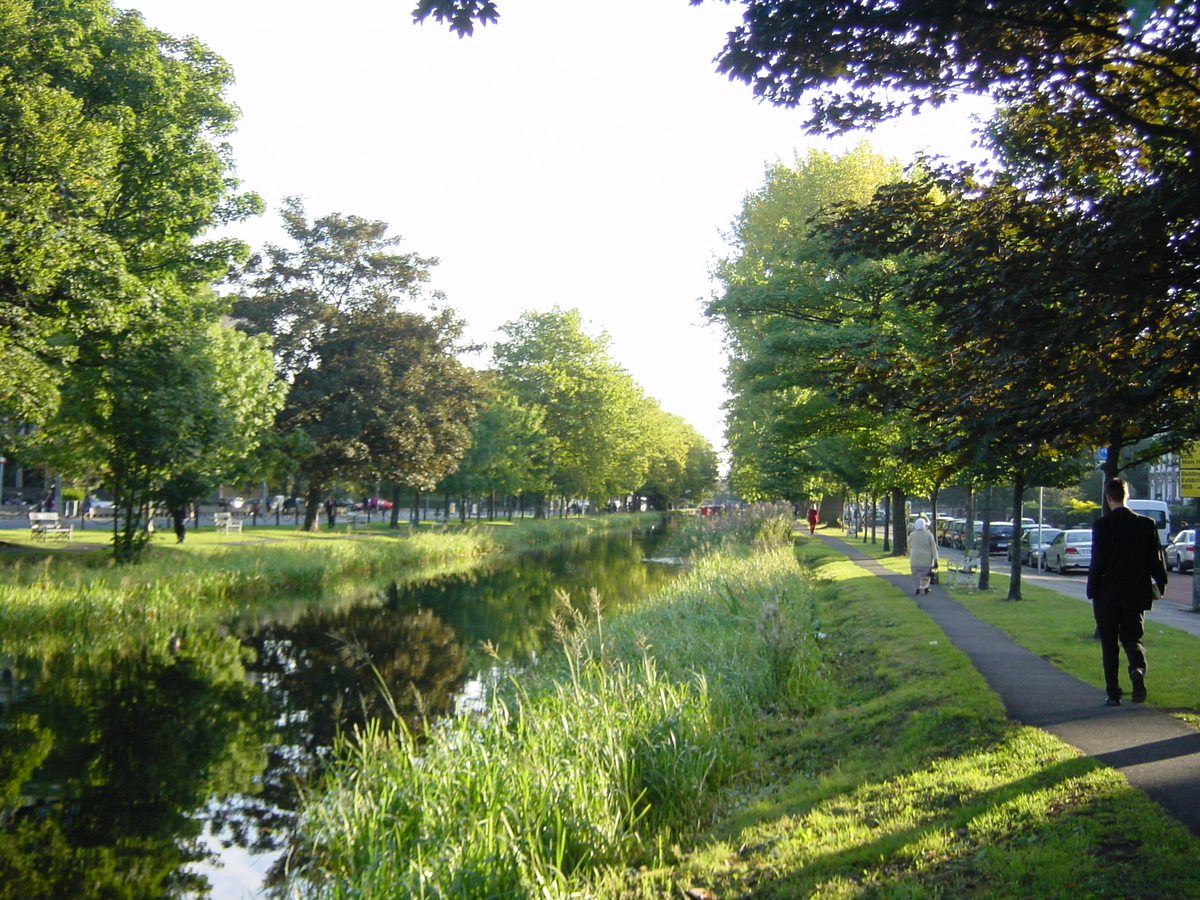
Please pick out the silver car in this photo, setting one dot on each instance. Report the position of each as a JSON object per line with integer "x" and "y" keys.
{"x": 1034, "y": 543}
{"x": 1181, "y": 552}
{"x": 1072, "y": 549}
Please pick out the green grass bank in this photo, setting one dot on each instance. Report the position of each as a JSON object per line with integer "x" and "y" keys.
{"x": 59, "y": 599}
{"x": 775, "y": 724}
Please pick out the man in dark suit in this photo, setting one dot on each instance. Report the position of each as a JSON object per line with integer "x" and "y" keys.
{"x": 1128, "y": 573}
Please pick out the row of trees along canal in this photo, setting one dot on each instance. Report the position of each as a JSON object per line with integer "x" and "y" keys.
{"x": 331, "y": 361}
{"x": 897, "y": 329}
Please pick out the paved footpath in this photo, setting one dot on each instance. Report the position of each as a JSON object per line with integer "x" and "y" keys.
{"x": 1155, "y": 752}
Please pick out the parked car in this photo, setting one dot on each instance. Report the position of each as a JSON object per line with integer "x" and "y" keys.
{"x": 373, "y": 503}
{"x": 943, "y": 530}
{"x": 940, "y": 528}
{"x": 958, "y": 534}
{"x": 999, "y": 537}
{"x": 1181, "y": 552}
{"x": 1034, "y": 542}
{"x": 1071, "y": 549}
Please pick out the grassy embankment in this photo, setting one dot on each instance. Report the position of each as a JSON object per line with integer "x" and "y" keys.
{"x": 54, "y": 598}
{"x": 758, "y": 729}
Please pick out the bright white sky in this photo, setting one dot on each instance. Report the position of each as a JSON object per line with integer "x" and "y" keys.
{"x": 580, "y": 153}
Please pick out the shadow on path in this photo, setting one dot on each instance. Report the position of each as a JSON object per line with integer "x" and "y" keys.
{"x": 1155, "y": 752}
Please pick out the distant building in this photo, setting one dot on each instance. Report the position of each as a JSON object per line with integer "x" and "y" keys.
{"x": 1164, "y": 479}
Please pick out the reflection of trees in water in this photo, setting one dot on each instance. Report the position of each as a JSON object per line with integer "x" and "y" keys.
{"x": 127, "y": 752}
{"x": 510, "y": 604}
{"x": 329, "y": 674}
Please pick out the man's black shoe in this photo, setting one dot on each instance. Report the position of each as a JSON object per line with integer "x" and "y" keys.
{"x": 1138, "y": 694}
{"x": 1112, "y": 701}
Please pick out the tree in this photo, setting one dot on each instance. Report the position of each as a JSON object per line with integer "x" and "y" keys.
{"x": 377, "y": 390}
{"x": 510, "y": 450}
{"x": 809, "y": 331}
{"x": 1027, "y": 291}
{"x": 681, "y": 463}
{"x": 588, "y": 402}
{"x": 865, "y": 62}
{"x": 163, "y": 414}
{"x": 111, "y": 167}
{"x": 1098, "y": 133}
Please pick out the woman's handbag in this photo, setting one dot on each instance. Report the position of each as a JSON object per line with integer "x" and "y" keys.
{"x": 933, "y": 574}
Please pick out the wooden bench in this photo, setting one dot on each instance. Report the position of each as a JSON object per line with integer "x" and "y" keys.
{"x": 964, "y": 572}
{"x": 45, "y": 526}
{"x": 226, "y": 522}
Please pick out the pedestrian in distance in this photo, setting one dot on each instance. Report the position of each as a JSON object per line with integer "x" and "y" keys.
{"x": 922, "y": 556}
{"x": 1127, "y": 574}
{"x": 813, "y": 518}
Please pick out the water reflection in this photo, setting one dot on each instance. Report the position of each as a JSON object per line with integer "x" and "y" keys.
{"x": 115, "y": 774}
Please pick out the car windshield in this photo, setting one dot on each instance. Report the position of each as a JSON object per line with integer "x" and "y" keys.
{"x": 1078, "y": 537}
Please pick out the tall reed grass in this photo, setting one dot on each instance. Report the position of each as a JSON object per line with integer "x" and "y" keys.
{"x": 586, "y": 768}
{"x": 757, "y": 526}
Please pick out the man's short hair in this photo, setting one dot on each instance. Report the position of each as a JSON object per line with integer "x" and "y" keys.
{"x": 1117, "y": 490}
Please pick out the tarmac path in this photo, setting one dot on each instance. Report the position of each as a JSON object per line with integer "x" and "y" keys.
{"x": 1154, "y": 751}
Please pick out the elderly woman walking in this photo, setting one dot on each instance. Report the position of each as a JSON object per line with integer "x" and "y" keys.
{"x": 922, "y": 556}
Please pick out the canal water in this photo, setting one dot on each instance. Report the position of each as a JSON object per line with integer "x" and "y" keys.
{"x": 154, "y": 775}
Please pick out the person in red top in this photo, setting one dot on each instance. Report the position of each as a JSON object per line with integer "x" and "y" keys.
{"x": 813, "y": 518}
{"x": 1127, "y": 574}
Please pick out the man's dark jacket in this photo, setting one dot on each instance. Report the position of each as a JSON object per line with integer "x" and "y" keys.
{"x": 1128, "y": 568}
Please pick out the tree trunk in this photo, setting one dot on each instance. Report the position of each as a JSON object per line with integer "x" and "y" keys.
{"x": 1111, "y": 467}
{"x": 901, "y": 524}
{"x": 985, "y": 546}
{"x": 539, "y": 505}
{"x": 394, "y": 519}
{"x": 414, "y": 517}
{"x": 887, "y": 522}
{"x": 1014, "y": 545}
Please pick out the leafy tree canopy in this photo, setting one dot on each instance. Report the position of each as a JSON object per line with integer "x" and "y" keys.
{"x": 377, "y": 389}
{"x": 589, "y": 402}
{"x": 112, "y": 165}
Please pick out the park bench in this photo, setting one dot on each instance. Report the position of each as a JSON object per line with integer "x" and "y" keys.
{"x": 226, "y": 522}
{"x": 45, "y": 526}
{"x": 964, "y": 572}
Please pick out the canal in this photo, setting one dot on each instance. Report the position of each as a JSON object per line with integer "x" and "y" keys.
{"x": 151, "y": 775}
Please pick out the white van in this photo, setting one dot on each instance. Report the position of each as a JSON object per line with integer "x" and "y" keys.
{"x": 1159, "y": 512}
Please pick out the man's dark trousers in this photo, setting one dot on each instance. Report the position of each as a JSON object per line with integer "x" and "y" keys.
{"x": 1120, "y": 625}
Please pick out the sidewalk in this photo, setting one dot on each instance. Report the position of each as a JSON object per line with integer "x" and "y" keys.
{"x": 1155, "y": 752}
